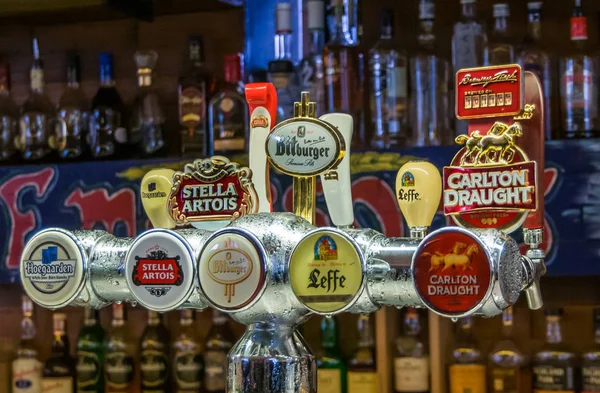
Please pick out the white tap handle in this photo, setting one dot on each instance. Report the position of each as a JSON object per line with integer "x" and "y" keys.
{"x": 337, "y": 185}
{"x": 258, "y": 159}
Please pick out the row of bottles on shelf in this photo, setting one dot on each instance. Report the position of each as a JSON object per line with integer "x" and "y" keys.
{"x": 213, "y": 117}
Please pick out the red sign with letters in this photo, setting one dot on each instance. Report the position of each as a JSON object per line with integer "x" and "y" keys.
{"x": 151, "y": 271}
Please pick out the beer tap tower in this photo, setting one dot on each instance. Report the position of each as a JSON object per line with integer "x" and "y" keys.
{"x": 217, "y": 244}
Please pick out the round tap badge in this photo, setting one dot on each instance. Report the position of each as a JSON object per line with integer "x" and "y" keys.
{"x": 159, "y": 269}
{"x": 52, "y": 268}
{"x": 452, "y": 272}
{"x": 305, "y": 147}
{"x": 232, "y": 269}
{"x": 326, "y": 271}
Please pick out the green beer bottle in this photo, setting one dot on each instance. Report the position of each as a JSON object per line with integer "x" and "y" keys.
{"x": 331, "y": 374}
{"x": 90, "y": 354}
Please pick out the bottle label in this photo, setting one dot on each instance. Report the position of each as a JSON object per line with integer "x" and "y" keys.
{"x": 579, "y": 28}
{"x": 26, "y": 376}
{"x": 57, "y": 385}
{"x": 396, "y": 82}
{"x": 579, "y": 87}
{"x": 467, "y": 378}
{"x": 89, "y": 371}
{"x": 153, "y": 366}
{"x": 192, "y": 106}
{"x": 329, "y": 380}
{"x": 411, "y": 374}
{"x": 362, "y": 382}
{"x": 591, "y": 379}
{"x": 215, "y": 370}
{"x": 547, "y": 378}
{"x": 505, "y": 380}
{"x": 119, "y": 371}
{"x": 188, "y": 370}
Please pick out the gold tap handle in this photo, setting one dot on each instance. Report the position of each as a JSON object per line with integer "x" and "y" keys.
{"x": 154, "y": 190}
{"x": 418, "y": 192}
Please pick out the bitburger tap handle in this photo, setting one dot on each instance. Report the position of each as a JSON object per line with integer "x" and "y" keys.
{"x": 154, "y": 190}
{"x": 418, "y": 192}
{"x": 262, "y": 104}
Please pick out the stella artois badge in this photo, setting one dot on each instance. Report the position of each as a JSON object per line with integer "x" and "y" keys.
{"x": 212, "y": 189}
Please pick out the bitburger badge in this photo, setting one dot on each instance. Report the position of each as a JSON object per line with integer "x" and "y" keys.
{"x": 160, "y": 269}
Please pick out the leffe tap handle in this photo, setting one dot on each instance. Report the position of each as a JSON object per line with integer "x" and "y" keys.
{"x": 154, "y": 190}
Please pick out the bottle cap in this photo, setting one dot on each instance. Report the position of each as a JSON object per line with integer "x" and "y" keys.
{"x": 106, "y": 65}
{"x": 27, "y": 305}
{"x": 196, "y": 47}
{"x": 556, "y": 312}
{"x": 534, "y": 6}
{"x": 233, "y": 67}
{"x": 145, "y": 59}
{"x": 4, "y": 75}
{"x": 467, "y": 1}
{"x": 387, "y": 22}
{"x": 316, "y": 15}
{"x": 501, "y": 10}
{"x": 280, "y": 66}
{"x": 283, "y": 18}
{"x": 597, "y": 315}
{"x": 426, "y": 10}
{"x": 73, "y": 68}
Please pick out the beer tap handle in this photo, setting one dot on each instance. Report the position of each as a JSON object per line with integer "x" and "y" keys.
{"x": 535, "y": 268}
{"x": 262, "y": 103}
{"x": 418, "y": 192}
{"x": 154, "y": 190}
{"x": 336, "y": 183}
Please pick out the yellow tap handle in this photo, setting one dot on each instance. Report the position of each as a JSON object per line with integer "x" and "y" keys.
{"x": 418, "y": 192}
{"x": 155, "y": 189}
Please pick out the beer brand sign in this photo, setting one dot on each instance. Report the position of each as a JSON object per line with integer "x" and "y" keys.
{"x": 213, "y": 189}
{"x": 489, "y": 91}
{"x": 157, "y": 268}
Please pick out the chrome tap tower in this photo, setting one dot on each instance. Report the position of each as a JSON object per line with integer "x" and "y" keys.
{"x": 217, "y": 244}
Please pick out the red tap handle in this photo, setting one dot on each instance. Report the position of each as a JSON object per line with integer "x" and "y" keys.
{"x": 262, "y": 94}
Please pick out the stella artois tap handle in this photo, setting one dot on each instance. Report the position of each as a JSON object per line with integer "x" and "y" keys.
{"x": 418, "y": 191}
{"x": 262, "y": 103}
{"x": 154, "y": 190}
{"x": 336, "y": 183}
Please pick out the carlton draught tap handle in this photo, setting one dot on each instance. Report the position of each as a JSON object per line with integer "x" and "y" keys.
{"x": 418, "y": 191}
{"x": 336, "y": 183}
{"x": 262, "y": 103}
{"x": 154, "y": 190}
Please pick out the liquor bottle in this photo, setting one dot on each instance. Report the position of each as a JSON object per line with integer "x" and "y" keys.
{"x": 312, "y": 77}
{"x": 218, "y": 343}
{"x": 196, "y": 86}
{"x": 188, "y": 365}
{"x": 467, "y": 364}
{"x": 554, "y": 365}
{"x": 500, "y": 50}
{"x": 9, "y": 113}
{"x": 534, "y": 58}
{"x": 430, "y": 78}
{"x": 507, "y": 361}
{"x": 147, "y": 117}
{"x": 362, "y": 369}
{"x": 389, "y": 89}
{"x": 119, "y": 354}
{"x": 154, "y": 356}
{"x": 331, "y": 372}
{"x": 579, "y": 85}
{"x": 106, "y": 130}
{"x": 71, "y": 128}
{"x": 411, "y": 363}
{"x": 341, "y": 62}
{"x": 228, "y": 112}
{"x": 281, "y": 71}
{"x": 468, "y": 45}
{"x": 590, "y": 368}
{"x": 26, "y": 367}
{"x": 90, "y": 354}
{"x": 59, "y": 370}
{"x": 37, "y": 114}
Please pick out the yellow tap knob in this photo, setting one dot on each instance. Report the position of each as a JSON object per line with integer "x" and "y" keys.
{"x": 418, "y": 192}
{"x": 155, "y": 189}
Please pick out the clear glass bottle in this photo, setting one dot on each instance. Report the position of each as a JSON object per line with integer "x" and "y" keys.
{"x": 468, "y": 46}
{"x": 590, "y": 367}
{"x": 579, "y": 82}
{"x": 219, "y": 341}
{"x": 312, "y": 76}
{"x": 411, "y": 362}
{"x": 362, "y": 367}
{"x": 389, "y": 89}
{"x": 155, "y": 374}
{"x": 430, "y": 78}
{"x": 506, "y": 361}
{"x": 90, "y": 354}
{"x": 71, "y": 125}
{"x": 59, "y": 370}
{"x": 37, "y": 114}
{"x": 188, "y": 365}
{"x": 26, "y": 367}
{"x": 500, "y": 49}
{"x": 467, "y": 363}
{"x": 147, "y": 117}
{"x": 554, "y": 366}
{"x": 331, "y": 372}
{"x": 9, "y": 113}
{"x": 228, "y": 118}
{"x": 533, "y": 57}
{"x": 119, "y": 354}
